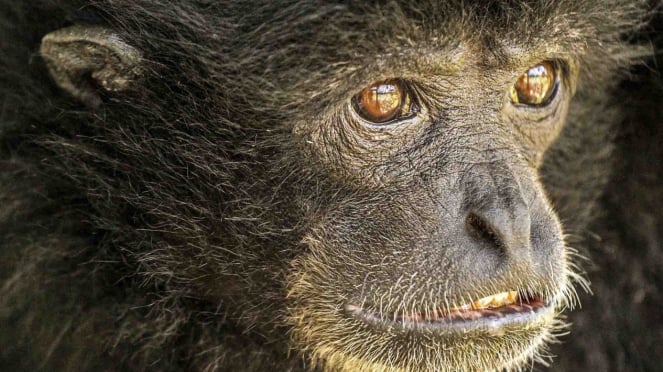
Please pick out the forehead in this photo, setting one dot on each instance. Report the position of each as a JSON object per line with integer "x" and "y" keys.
{"x": 358, "y": 27}
{"x": 481, "y": 18}
{"x": 328, "y": 44}
{"x": 362, "y": 41}
{"x": 493, "y": 32}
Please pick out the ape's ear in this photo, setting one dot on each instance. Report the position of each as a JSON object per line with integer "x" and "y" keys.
{"x": 87, "y": 60}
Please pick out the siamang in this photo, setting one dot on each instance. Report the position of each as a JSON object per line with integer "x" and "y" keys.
{"x": 294, "y": 185}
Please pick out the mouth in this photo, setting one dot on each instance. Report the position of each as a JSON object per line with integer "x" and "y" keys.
{"x": 490, "y": 312}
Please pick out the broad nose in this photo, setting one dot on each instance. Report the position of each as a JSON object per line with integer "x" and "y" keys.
{"x": 497, "y": 219}
{"x": 496, "y": 224}
{"x": 504, "y": 229}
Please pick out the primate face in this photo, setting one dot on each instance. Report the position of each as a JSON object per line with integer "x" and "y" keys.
{"x": 448, "y": 246}
{"x": 448, "y": 253}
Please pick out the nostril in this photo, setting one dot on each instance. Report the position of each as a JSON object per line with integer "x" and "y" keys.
{"x": 479, "y": 228}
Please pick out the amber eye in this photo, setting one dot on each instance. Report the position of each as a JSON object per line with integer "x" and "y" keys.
{"x": 382, "y": 102}
{"x": 535, "y": 87}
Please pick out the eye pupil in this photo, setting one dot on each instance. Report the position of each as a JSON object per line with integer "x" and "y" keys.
{"x": 381, "y": 102}
{"x": 536, "y": 86}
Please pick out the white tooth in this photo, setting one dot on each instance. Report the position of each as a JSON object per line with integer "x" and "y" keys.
{"x": 496, "y": 300}
{"x": 483, "y": 302}
{"x": 499, "y": 299}
{"x": 493, "y": 301}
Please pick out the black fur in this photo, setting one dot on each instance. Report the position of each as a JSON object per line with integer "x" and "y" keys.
{"x": 157, "y": 233}
{"x": 618, "y": 327}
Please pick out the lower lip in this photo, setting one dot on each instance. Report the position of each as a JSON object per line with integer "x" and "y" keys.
{"x": 466, "y": 320}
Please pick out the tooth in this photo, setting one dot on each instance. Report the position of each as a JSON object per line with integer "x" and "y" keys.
{"x": 461, "y": 308}
{"x": 481, "y": 303}
{"x": 498, "y": 299}
{"x": 494, "y": 301}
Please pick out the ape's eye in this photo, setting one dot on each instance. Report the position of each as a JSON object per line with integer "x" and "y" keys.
{"x": 383, "y": 102}
{"x": 536, "y": 87}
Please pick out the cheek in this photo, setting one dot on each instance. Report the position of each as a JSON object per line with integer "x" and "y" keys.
{"x": 575, "y": 168}
{"x": 351, "y": 153}
{"x": 538, "y": 133}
